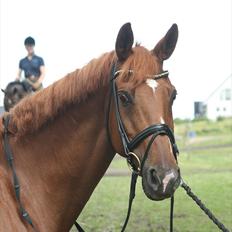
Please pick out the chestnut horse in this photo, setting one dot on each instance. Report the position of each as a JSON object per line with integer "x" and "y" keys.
{"x": 64, "y": 137}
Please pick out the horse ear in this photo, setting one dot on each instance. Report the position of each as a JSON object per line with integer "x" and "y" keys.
{"x": 4, "y": 91}
{"x": 165, "y": 47}
{"x": 124, "y": 42}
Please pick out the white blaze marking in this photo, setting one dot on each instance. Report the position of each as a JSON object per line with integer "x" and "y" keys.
{"x": 162, "y": 120}
{"x": 166, "y": 180}
{"x": 152, "y": 83}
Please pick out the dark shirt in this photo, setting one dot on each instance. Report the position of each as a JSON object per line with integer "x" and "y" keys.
{"x": 31, "y": 67}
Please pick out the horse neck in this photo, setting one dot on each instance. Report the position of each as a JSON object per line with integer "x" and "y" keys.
{"x": 61, "y": 165}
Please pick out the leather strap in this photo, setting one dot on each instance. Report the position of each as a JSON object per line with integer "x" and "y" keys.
{"x": 10, "y": 161}
{"x": 154, "y": 130}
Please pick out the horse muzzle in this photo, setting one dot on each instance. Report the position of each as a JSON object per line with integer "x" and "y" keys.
{"x": 159, "y": 183}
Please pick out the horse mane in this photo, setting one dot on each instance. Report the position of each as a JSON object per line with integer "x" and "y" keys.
{"x": 33, "y": 112}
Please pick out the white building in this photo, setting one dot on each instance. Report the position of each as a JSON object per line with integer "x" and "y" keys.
{"x": 219, "y": 103}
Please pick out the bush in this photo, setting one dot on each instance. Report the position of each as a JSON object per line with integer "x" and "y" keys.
{"x": 201, "y": 119}
{"x": 220, "y": 119}
{"x": 181, "y": 121}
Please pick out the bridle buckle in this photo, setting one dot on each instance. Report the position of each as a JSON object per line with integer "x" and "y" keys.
{"x": 133, "y": 162}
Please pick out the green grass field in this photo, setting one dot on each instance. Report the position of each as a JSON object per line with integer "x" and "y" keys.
{"x": 208, "y": 172}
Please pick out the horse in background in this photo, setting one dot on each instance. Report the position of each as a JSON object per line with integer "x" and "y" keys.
{"x": 14, "y": 92}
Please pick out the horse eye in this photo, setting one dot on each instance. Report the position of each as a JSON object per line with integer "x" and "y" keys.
{"x": 173, "y": 97}
{"x": 125, "y": 98}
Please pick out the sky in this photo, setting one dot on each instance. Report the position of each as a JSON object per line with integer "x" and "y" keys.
{"x": 69, "y": 33}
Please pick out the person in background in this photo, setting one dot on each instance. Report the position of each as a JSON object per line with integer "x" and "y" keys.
{"x": 32, "y": 66}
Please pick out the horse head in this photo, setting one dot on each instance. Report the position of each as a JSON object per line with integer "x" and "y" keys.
{"x": 140, "y": 119}
{"x": 13, "y": 93}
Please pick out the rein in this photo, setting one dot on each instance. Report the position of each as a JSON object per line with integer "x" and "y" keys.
{"x": 10, "y": 160}
{"x": 203, "y": 207}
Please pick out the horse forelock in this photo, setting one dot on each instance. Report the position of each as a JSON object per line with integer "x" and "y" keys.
{"x": 143, "y": 64}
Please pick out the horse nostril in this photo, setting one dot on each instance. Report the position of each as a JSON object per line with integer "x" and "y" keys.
{"x": 155, "y": 181}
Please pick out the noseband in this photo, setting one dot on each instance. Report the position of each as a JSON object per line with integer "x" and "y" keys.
{"x": 154, "y": 130}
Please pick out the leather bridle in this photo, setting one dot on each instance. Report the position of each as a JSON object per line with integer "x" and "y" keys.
{"x": 154, "y": 130}
{"x": 130, "y": 145}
